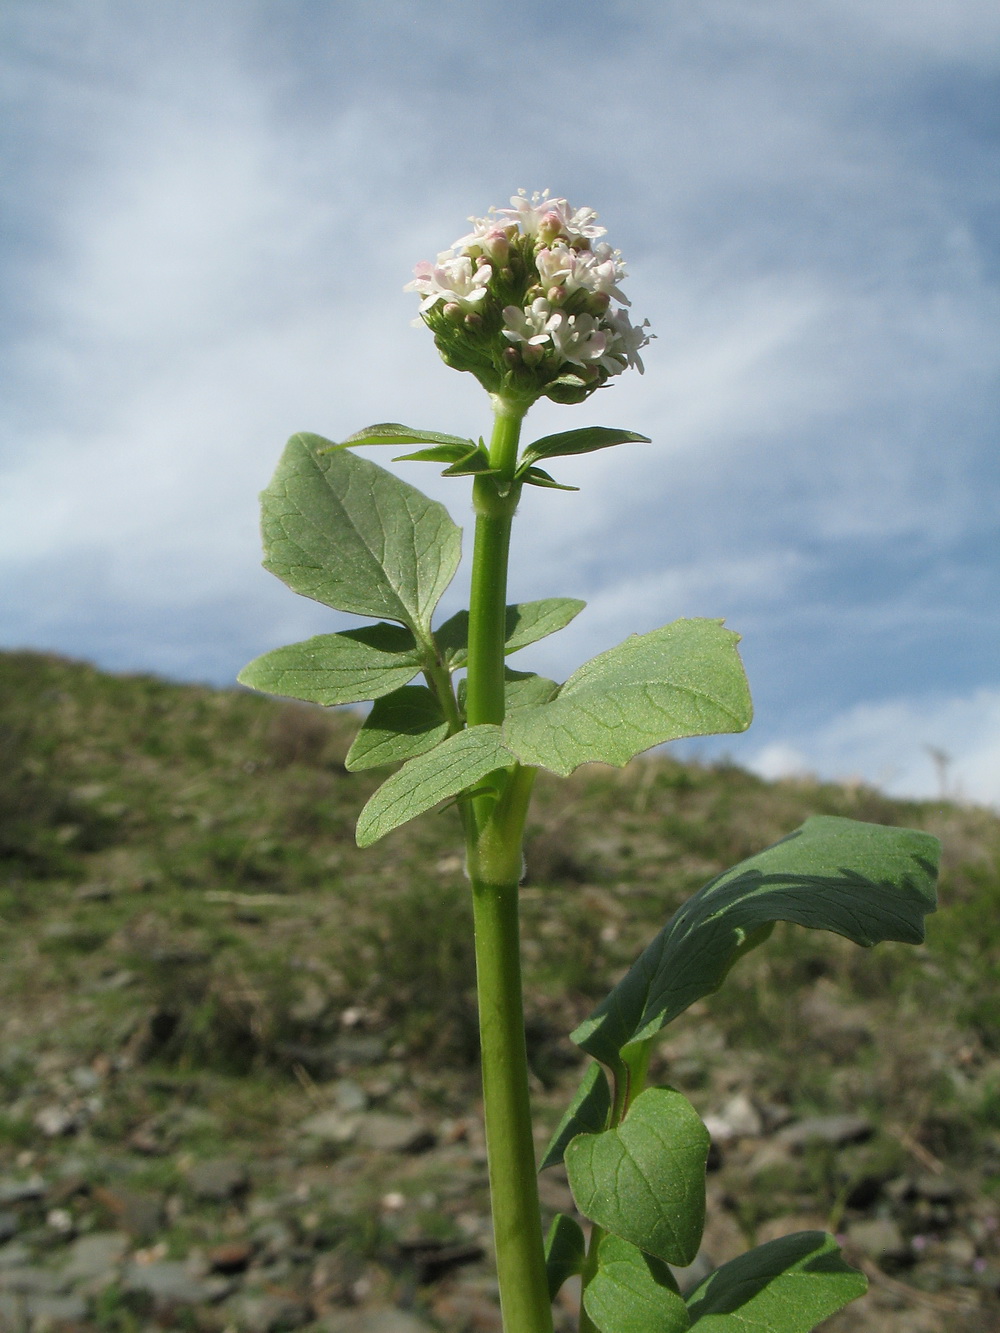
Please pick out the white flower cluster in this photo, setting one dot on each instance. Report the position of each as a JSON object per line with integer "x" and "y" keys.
{"x": 536, "y": 280}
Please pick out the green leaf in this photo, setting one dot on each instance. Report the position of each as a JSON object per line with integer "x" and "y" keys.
{"x": 865, "y": 881}
{"x": 632, "y": 1292}
{"x": 400, "y": 726}
{"x": 537, "y": 476}
{"x": 645, "y": 1180}
{"x": 343, "y": 668}
{"x": 685, "y": 679}
{"x": 565, "y": 1251}
{"x": 347, "y": 533}
{"x": 442, "y": 453}
{"x": 583, "y": 441}
{"x": 525, "y": 689}
{"x": 786, "y": 1286}
{"x": 587, "y": 1113}
{"x": 458, "y": 762}
{"x": 527, "y": 622}
{"x": 391, "y": 432}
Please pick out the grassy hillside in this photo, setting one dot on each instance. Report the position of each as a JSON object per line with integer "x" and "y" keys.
{"x": 196, "y": 958}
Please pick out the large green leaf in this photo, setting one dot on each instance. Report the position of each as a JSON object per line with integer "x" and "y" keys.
{"x": 526, "y": 623}
{"x": 347, "y": 533}
{"x": 685, "y": 679}
{"x": 645, "y": 1180}
{"x": 458, "y": 762}
{"x": 565, "y": 1251}
{"x": 632, "y": 1292}
{"x": 786, "y": 1286}
{"x": 865, "y": 881}
{"x": 587, "y": 1113}
{"x": 583, "y": 441}
{"x": 340, "y": 668}
{"x": 400, "y": 726}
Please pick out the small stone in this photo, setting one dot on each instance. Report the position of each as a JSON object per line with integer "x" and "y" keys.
{"x": 138, "y": 1213}
{"x": 22, "y": 1191}
{"x": 95, "y": 1256}
{"x": 46, "y": 1311}
{"x": 167, "y": 1281}
{"x": 333, "y": 1126}
{"x": 383, "y": 1132}
{"x": 738, "y": 1119}
{"x": 881, "y": 1238}
{"x": 350, "y": 1097}
{"x": 14, "y": 1255}
{"x": 8, "y": 1226}
{"x": 219, "y": 1180}
{"x": 386, "y": 1320}
{"x": 57, "y": 1121}
{"x": 836, "y": 1130}
{"x": 29, "y": 1279}
{"x": 232, "y": 1257}
{"x": 271, "y": 1313}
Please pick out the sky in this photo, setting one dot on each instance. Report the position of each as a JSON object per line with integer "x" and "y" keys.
{"x": 211, "y": 208}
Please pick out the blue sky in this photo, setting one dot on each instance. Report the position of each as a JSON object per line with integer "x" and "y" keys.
{"x": 211, "y": 209}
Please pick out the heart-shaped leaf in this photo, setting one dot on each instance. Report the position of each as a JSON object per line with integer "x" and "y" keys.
{"x": 685, "y": 679}
{"x": 632, "y": 1292}
{"x": 789, "y": 1285}
{"x": 400, "y": 726}
{"x": 343, "y": 668}
{"x": 865, "y": 881}
{"x": 458, "y": 762}
{"x": 645, "y": 1179}
{"x": 348, "y": 533}
{"x": 526, "y": 622}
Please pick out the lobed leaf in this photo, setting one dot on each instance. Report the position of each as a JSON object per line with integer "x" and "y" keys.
{"x": 583, "y": 441}
{"x": 342, "y": 668}
{"x": 685, "y": 679}
{"x": 458, "y": 762}
{"x": 645, "y": 1179}
{"x": 788, "y": 1285}
{"x": 353, "y": 536}
{"x": 864, "y": 881}
{"x": 587, "y": 1113}
{"x": 632, "y": 1292}
{"x": 527, "y": 622}
{"x": 565, "y": 1251}
{"x": 400, "y": 726}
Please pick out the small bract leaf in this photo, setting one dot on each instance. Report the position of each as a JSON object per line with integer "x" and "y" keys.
{"x": 587, "y": 1113}
{"x": 565, "y": 1251}
{"x": 786, "y": 1286}
{"x": 583, "y": 441}
{"x": 527, "y": 622}
{"x": 458, "y": 762}
{"x": 348, "y": 533}
{"x": 391, "y": 432}
{"x": 400, "y": 726}
{"x": 685, "y": 679}
{"x": 645, "y": 1180}
{"x": 442, "y": 453}
{"x": 342, "y": 668}
{"x": 865, "y": 881}
{"x": 632, "y": 1292}
{"x": 537, "y": 476}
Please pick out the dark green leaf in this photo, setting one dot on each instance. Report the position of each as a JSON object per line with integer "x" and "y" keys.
{"x": 391, "y": 432}
{"x": 685, "y": 679}
{"x": 458, "y": 762}
{"x": 524, "y": 689}
{"x": 864, "y": 881}
{"x": 347, "y": 533}
{"x": 527, "y": 622}
{"x": 587, "y": 1113}
{"x": 400, "y": 726}
{"x": 340, "y": 668}
{"x": 442, "y": 453}
{"x": 632, "y": 1292}
{"x": 565, "y": 1252}
{"x": 583, "y": 441}
{"x": 536, "y": 476}
{"x": 786, "y": 1286}
{"x": 645, "y": 1180}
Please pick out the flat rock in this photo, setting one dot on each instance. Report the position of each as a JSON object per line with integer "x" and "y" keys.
{"x": 385, "y": 1320}
{"x": 218, "y": 1180}
{"x": 95, "y": 1256}
{"x": 22, "y": 1191}
{"x": 136, "y": 1212}
{"x": 880, "y": 1238}
{"x": 332, "y": 1126}
{"x": 384, "y": 1132}
{"x": 30, "y": 1279}
{"x": 9, "y": 1223}
{"x": 168, "y": 1282}
{"x": 270, "y": 1313}
{"x": 46, "y": 1311}
{"x": 836, "y": 1130}
{"x": 738, "y": 1119}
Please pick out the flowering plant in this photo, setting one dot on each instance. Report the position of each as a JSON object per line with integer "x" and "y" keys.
{"x": 530, "y": 302}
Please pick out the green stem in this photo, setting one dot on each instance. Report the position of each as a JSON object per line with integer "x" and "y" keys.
{"x": 494, "y": 838}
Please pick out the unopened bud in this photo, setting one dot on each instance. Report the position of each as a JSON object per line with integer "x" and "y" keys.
{"x": 453, "y": 311}
{"x": 511, "y": 358}
{"x": 531, "y": 354}
{"x": 473, "y": 321}
{"x": 556, "y": 294}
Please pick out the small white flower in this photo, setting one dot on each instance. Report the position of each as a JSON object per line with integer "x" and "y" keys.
{"x": 627, "y": 339}
{"x": 579, "y": 339}
{"x": 598, "y": 270}
{"x": 531, "y": 326}
{"x": 453, "y": 278}
{"x": 550, "y": 219}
